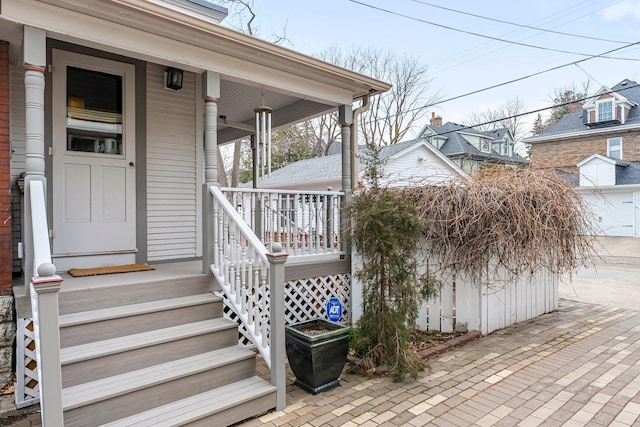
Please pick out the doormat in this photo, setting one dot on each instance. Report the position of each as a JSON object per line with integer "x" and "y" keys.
{"x": 97, "y": 271}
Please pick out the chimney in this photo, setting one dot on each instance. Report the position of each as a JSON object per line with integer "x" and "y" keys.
{"x": 436, "y": 121}
{"x": 575, "y": 106}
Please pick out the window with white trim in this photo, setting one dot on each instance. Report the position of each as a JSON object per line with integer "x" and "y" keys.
{"x": 605, "y": 110}
{"x": 614, "y": 148}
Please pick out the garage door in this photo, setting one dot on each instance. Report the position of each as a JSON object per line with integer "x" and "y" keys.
{"x": 614, "y": 213}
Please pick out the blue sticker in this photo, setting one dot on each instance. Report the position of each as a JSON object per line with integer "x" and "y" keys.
{"x": 334, "y": 309}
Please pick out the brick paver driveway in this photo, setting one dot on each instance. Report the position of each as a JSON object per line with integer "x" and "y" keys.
{"x": 578, "y": 366}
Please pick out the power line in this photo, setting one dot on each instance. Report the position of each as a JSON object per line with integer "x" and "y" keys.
{"x": 480, "y": 35}
{"x": 514, "y": 116}
{"x": 522, "y": 78}
{"x": 516, "y": 24}
{"x": 478, "y": 53}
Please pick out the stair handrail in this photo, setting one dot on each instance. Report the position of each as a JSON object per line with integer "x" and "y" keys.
{"x": 241, "y": 267}
{"x": 44, "y": 287}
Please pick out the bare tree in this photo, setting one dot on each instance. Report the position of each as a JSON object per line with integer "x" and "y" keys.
{"x": 562, "y": 97}
{"x": 242, "y": 17}
{"x": 502, "y": 116}
{"x": 392, "y": 114}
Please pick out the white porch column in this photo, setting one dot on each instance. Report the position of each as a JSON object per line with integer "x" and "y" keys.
{"x": 34, "y": 82}
{"x": 349, "y": 182}
{"x": 345, "y": 117}
{"x": 211, "y": 141}
{"x": 210, "y": 94}
{"x": 34, "y": 121}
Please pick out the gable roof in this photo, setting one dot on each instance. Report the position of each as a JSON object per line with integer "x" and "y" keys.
{"x": 627, "y": 173}
{"x": 329, "y": 167}
{"x": 572, "y": 123}
{"x": 456, "y": 145}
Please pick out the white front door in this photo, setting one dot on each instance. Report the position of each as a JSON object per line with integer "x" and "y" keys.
{"x": 94, "y": 217}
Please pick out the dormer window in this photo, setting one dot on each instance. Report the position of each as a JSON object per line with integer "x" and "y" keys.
{"x": 605, "y": 110}
{"x": 485, "y": 146}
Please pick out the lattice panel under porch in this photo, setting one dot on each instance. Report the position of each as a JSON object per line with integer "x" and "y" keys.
{"x": 305, "y": 299}
{"x": 27, "y": 390}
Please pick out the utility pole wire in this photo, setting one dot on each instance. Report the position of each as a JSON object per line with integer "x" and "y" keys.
{"x": 516, "y": 24}
{"x": 538, "y": 110}
{"x": 484, "y": 35}
{"x": 521, "y": 78}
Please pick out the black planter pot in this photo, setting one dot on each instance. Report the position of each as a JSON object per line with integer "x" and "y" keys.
{"x": 317, "y": 358}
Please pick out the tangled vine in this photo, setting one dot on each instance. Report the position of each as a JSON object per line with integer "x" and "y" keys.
{"x": 505, "y": 223}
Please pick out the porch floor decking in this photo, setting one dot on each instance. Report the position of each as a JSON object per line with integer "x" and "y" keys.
{"x": 164, "y": 270}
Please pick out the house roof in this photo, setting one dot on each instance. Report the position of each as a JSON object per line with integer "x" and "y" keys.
{"x": 627, "y": 173}
{"x": 182, "y": 34}
{"x": 456, "y": 145}
{"x": 330, "y": 167}
{"x": 571, "y": 178}
{"x": 572, "y": 123}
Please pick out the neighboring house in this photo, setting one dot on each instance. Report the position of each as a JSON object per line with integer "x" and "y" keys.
{"x": 112, "y": 112}
{"x": 607, "y": 124}
{"x": 471, "y": 149}
{"x": 611, "y": 188}
{"x": 405, "y": 163}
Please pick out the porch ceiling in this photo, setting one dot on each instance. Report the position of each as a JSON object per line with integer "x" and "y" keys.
{"x": 238, "y": 100}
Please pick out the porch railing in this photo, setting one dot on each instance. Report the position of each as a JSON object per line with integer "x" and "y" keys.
{"x": 252, "y": 279}
{"x": 304, "y": 223}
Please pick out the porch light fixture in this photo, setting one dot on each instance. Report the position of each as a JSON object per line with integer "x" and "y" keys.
{"x": 174, "y": 78}
{"x": 263, "y": 135}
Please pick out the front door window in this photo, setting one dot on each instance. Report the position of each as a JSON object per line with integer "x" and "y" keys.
{"x": 94, "y": 112}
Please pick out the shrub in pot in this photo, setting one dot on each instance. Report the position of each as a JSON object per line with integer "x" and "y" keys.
{"x": 317, "y": 352}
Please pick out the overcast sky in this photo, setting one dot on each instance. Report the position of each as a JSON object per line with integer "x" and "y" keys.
{"x": 460, "y": 62}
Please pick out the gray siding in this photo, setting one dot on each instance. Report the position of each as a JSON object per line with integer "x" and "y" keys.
{"x": 173, "y": 168}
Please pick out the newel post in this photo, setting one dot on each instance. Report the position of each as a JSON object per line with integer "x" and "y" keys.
{"x": 277, "y": 258}
{"x": 44, "y": 300}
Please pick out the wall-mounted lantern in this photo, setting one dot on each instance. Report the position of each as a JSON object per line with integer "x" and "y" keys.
{"x": 174, "y": 78}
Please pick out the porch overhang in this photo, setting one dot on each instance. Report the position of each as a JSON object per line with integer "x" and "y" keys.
{"x": 296, "y": 86}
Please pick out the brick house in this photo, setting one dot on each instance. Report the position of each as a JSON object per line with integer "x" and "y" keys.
{"x": 597, "y": 148}
{"x": 6, "y": 297}
{"x": 607, "y": 124}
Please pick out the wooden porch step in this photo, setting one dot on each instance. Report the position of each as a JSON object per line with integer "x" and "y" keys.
{"x": 100, "y": 359}
{"x": 220, "y": 407}
{"x": 105, "y": 400}
{"x": 96, "y": 294}
{"x": 88, "y": 326}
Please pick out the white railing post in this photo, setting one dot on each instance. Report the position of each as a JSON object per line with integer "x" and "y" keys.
{"x": 43, "y": 289}
{"x": 277, "y": 258}
{"x": 44, "y": 297}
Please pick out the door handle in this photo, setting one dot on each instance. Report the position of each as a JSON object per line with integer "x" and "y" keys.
{"x": 133, "y": 165}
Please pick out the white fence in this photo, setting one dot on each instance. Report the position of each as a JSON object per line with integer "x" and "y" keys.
{"x": 462, "y": 304}
{"x": 488, "y": 308}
